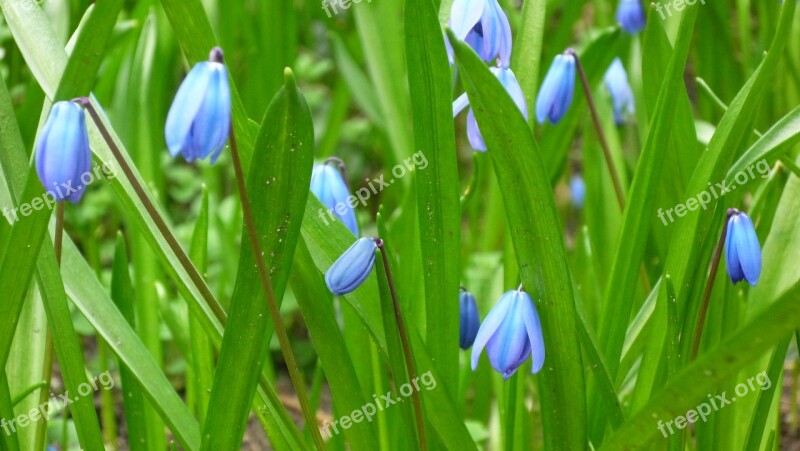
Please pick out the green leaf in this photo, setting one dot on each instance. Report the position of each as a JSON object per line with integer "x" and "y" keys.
{"x": 439, "y": 210}
{"x": 526, "y": 59}
{"x": 692, "y": 385}
{"x": 278, "y": 189}
{"x": 133, "y": 394}
{"x": 538, "y": 244}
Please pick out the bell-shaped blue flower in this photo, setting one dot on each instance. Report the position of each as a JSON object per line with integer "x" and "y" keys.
{"x": 630, "y": 16}
{"x": 483, "y": 25}
{"x": 329, "y": 187}
{"x": 558, "y": 88}
{"x": 742, "y": 250}
{"x": 200, "y": 117}
{"x": 352, "y": 268}
{"x": 510, "y": 83}
{"x": 577, "y": 188}
{"x": 470, "y": 321}
{"x": 63, "y": 155}
{"x": 511, "y": 333}
{"x": 616, "y": 81}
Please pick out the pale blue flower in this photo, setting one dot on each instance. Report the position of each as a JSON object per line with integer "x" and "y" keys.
{"x": 63, "y": 155}
{"x": 616, "y": 81}
{"x": 330, "y": 188}
{"x": 742, "y": 249}
{"x": 483, "y": 25}
{"x": 352, "y": 268}
{"x": 558, "y": 88}
{"x": 630, "y": 16}
{"x": 469, "y": 319}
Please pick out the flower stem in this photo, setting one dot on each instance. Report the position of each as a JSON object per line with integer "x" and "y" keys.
{"x": 280, "y": 330}
{"x": 155, "y": 216}
{"x": 401, "y": 328}
{"x": 600, "y": 134}
{"x": 712, "y": 274}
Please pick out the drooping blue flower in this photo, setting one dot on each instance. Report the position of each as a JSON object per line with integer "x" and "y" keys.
{"x": 558, "y": 88}
{"x": 200, "y": 117}
{"x": 63, "y": 155}
{"x": 577, "y": 188}
{"x": 352, "y": 268}
{"x": 483, "y": 25}
{"x": 630, "y": 15}
{"x": 509, "y": 81}
{"x": 742, "y": 250}
{"x": 470, "y": 321}
{"x": 511, "y": 333}
{"x": 616, "y": 81}
{"x": 329, "y": 187}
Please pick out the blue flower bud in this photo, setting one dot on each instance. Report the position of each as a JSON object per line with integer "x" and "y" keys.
{"x": 483, "y": 25}
{"x": 329, "y": 187}
{"x": 352, "y": 268}
{"x": 200, "y": 117}
{"x": 470, "y": 321}
{"x": 558, "y": 88}
{"x": 63, "y": 155}
{"x": 742, "y": 250}
{"x": 511, "y": 333}
{"x": 616, "y": 81}
{"x": 510, "y": 83}
{"x": 578, "y": 189}
{"x": 630, "y": 16}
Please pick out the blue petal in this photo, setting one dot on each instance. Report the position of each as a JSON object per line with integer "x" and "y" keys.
{"x": 555, "y": 95}
{"x": 489, "y": 327}
{"x": 496, "y": 34}
{"x": 748, "y": 249}
{"x": 630, "y": 15}
{"x": 616, "y": 81}
{"x": 510, "y": 83}
{"x": 469, "y": 320}
{"x": 212, "y": 123}
{"x": 464, "y": 14}
{"x": 184, "y": 108}
{"x": 474, "y": 133}
{"x": 62, "y": 152}
{"x": 460, "y": 103}
{"x": 534, "y": 328}
{"x": 352, "y": 268}
{"x": 731, "y": 255}
{"x": 510, "y": 345}
{"x": 329, "y": 187}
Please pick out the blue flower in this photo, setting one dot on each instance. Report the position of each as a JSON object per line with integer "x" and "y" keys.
{"x": 630, "y": 15}
{"x": 578, "y": 189}
{"x": 509, "y": 81}
{"x": 470, "y": 321}
{"x": 742, "y": 250}
{"x": 200, "y": 117}
{"x": 352, "y": 268}
{"x": 558, "y": 88}
{"x": 329, "y": 187}
{"x": 616, "y": 81}
{"x": 483, "y": 25}
{"x": 63, "y": 155}
{"x": 511, "y": 333}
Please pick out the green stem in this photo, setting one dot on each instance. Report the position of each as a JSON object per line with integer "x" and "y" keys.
{"x": 155, "y": 216}
{"x": 401, "y": 328}
{"x": 712, "y": 275}
{"x": 280, "y": 330}
{"x": 600, "y": 134}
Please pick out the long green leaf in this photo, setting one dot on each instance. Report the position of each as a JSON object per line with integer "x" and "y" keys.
{"x": 437, "y": 184}
{"x": 538, "y": 244}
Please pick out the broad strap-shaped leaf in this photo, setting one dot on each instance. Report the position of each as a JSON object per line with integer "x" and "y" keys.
{"x": 439, "y": 210}
{"x": 278, "y": 187}
{"x": 538, "y": 244}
